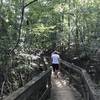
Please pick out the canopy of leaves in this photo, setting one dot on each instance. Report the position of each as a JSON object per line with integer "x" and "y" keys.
{"x": 71, "y": 26}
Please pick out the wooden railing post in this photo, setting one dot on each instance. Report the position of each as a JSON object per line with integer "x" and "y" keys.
{"x": 89, "y": 91}
{"x": 39, "y": 88}
{"x": 49, "y": 85}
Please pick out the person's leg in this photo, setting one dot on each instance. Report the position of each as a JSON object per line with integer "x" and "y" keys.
{"x": 53, "y": 66}
{"x": 57, "y": 70}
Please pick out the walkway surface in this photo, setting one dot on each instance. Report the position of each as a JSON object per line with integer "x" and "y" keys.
{"x": 62, "y": 91}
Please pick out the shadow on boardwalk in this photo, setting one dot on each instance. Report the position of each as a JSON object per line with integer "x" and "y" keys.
{"x": 62, "y": 91}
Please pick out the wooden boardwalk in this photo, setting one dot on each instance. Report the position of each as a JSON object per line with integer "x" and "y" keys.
{"x": 62, "y": 91}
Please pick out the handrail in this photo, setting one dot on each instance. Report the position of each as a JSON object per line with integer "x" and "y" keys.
{"x": 37, "y": 89}
{"x": 89, "y": 88}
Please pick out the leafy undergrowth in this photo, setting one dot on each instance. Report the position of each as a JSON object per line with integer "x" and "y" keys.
{"x": 22, "y": 69}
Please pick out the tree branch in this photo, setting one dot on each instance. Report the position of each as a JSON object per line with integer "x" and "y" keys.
{"x": 2, "y": 90}
{"x": 20, "y": 27}
{"x": 22, "y": 16}
{"x": 30, "y": 3}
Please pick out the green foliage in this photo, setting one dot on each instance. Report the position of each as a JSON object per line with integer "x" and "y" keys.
{"x": 71, "y": 25}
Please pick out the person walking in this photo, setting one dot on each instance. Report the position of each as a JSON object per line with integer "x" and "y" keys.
{"x": 55, "y": 59}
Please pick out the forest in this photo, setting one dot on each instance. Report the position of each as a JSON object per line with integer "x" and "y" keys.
{"x": 30, "y": 29}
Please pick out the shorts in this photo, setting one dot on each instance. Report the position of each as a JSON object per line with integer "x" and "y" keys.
{"x": 55, "y": 67}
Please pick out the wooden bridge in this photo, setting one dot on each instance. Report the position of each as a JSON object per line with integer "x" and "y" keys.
{"x": 73, "y": 84}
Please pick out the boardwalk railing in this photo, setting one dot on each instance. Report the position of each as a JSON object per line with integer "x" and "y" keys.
{"x": 81, "y": 80}
{"x": 37, "y": 89}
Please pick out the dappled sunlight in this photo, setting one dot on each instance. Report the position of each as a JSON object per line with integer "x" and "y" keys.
{"x": 59, "y": 82}
{"x": 61, "y": 89}
{"x": 37, "y": 36}
{"x": 63, "y": 82}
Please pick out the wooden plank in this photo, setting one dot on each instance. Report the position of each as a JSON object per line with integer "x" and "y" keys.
{"x": 89, "y": 86}
{"x": 61, "y": 90}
